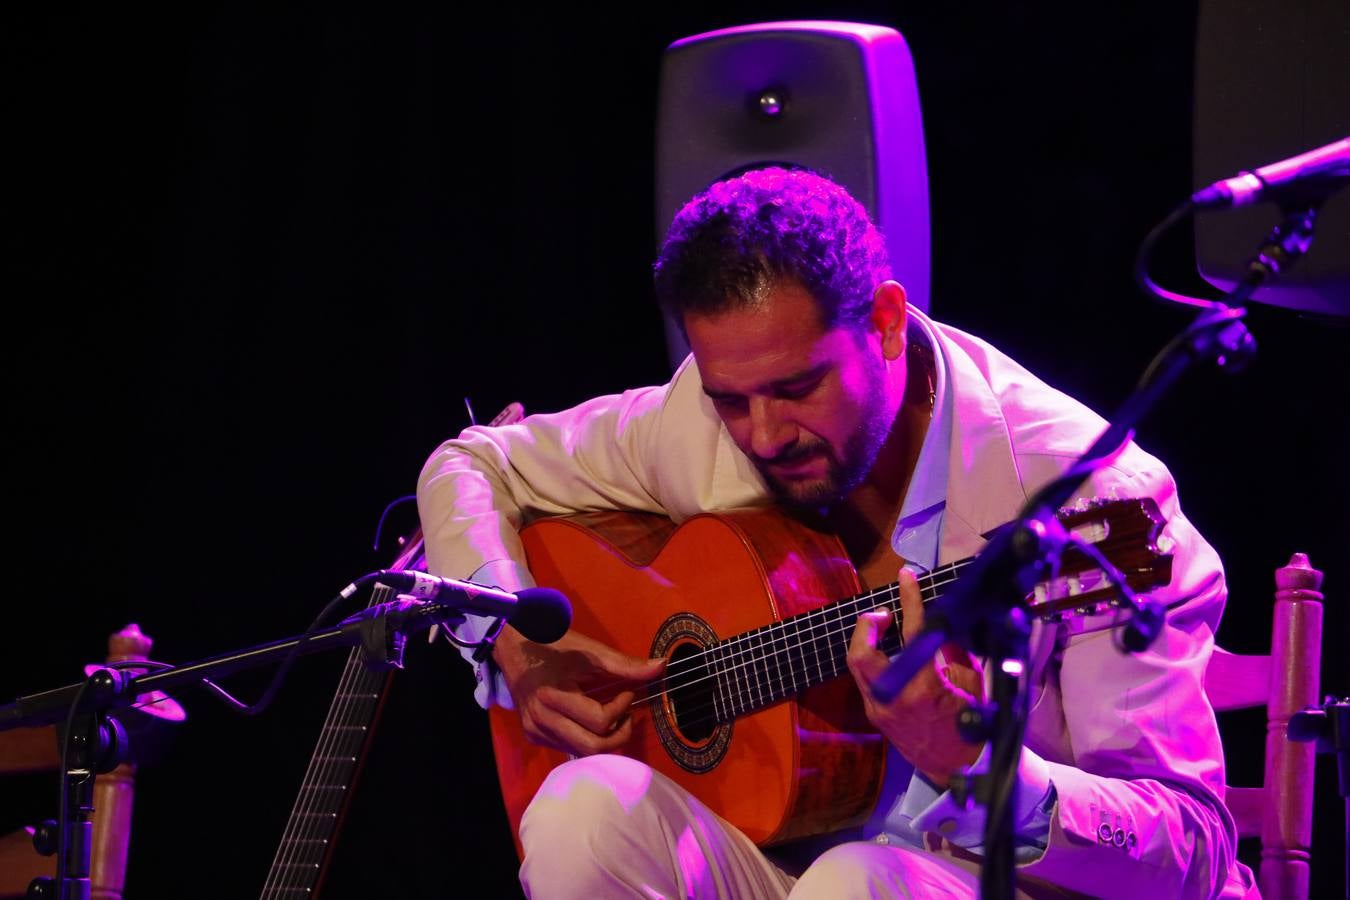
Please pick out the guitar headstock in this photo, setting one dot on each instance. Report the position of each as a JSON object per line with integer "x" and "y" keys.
{"x": 1128, "y": 533}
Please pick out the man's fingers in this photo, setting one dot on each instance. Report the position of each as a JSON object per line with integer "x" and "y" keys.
{"x": 960, "y": 671}
{"x": 628, "y": 668}
{"x": 570, "y": 737}
{"x": 596, "y": 717}
{"x": 580, "y": 725}
{"x": 911, "y": 606}
{"x": 864, "y": 660}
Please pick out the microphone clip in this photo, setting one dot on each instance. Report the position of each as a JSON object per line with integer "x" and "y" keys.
{"x": 382, "y": 637}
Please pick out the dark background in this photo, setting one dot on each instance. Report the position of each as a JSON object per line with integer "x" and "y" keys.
{"x": 257, "y": 260}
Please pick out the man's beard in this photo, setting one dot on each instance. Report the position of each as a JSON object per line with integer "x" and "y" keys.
{"x": 841, "y": 476}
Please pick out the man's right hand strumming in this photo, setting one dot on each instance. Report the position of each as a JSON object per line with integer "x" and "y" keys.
{"x": 574, "y": 694}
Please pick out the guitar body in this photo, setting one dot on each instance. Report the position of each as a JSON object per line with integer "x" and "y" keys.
{"x": 794, "y": 768}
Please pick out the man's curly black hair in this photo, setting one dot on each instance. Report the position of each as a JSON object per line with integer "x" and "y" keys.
{"x": 735, "y": 241}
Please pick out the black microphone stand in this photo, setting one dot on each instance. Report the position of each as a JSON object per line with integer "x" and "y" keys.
{"x": 986, "y": 610}
{"x": 94, "y": 742}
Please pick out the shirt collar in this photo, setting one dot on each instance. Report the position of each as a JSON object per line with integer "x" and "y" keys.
{"x": 919, "y": 525}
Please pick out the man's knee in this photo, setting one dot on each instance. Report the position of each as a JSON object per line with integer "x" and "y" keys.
{"x": 584, "y": 798}
{"x": 590, "y": 825}
{"x": 863, "y": 869}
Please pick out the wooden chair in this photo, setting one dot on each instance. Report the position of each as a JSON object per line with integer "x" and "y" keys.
{"x": 1285, "y": 681}
{"x": 28, "y": 750}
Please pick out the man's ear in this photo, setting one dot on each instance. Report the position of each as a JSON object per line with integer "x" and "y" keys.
{"x": 889, "y": 312}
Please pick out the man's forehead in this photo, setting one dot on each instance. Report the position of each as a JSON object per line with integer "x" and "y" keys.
{"x": 752, "y": 368}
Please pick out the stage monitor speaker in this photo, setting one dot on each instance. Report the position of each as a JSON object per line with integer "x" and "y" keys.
{"x": 835, "y": 97}
{"x": 1272, "y": 81}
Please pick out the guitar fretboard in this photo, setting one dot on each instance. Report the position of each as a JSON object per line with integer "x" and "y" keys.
{"x": 313, "y": 822}
{"x": 753, "y": 670}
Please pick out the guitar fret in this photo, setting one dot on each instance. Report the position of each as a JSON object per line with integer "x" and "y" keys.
{"x": 798, "y": 685}
{"x": 773, "y": 666}
{"x": 717, "y": 654}
{"x": 763, "y": 662}
{"x": 847, "y": 620}
{"x": 744, "y": 673}
{"x": 815, "y": 649}
{"x": 711, "y": 654}
{"x": 830, "y": 644}
{"x": 738, "y": 706}
{"x": 757, "y": 666}
{"x": 766, "y": 662}
{"x": 777, "y": 688}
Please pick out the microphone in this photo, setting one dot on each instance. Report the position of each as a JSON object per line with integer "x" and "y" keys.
{"x": 540, "y": 614}
{"x": 1316, "y": 172}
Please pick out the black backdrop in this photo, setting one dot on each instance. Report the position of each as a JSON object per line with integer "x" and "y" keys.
{"x": 258, "y": 259}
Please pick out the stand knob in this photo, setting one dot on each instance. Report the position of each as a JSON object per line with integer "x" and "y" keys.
{"x": 42, "y": 888}
{"x": 46, "y": 837}
{"x": 976, "y": 723}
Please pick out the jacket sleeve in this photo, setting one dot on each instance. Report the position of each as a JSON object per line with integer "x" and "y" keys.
{"x": 1133, "y": 748}
{"x": 476, "y": 491}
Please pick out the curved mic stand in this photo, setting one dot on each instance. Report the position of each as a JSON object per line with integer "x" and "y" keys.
{"x": 985, "y": 611}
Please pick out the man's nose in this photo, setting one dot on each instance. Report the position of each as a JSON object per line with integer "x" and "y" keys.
{"x": 770, "y": 432}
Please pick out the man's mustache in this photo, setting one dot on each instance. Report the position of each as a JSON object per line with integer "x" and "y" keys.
{"x": 795, "y": 454}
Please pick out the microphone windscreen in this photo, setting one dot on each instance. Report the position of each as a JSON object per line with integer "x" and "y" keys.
{"x": 542, "y": 614}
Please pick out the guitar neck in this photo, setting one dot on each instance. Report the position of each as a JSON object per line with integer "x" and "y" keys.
{"x": 780, "y": 660}
{"x": 306, "y": 845}
{"x": 761, "y": 667}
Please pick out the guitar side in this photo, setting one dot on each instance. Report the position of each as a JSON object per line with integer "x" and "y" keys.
{"x": 792, "y": 769}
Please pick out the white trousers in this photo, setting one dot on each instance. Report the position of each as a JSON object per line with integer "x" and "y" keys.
{"x": 608, "y": 826}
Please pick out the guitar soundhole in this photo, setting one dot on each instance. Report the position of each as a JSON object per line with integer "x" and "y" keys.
{"x": 687, "y": 718}
{"x": 692, "y": 702}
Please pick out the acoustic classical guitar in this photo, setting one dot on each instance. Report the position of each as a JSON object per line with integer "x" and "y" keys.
{"x": 754, "y": 611}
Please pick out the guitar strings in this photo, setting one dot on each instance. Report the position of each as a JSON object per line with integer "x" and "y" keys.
{"x": 754, "y": 696}
{"x": 757, "y": 692}
{"x": 927, "y": 587}
{"x": 735, "y": 647}
{"x": 285, "y": 868}
{"x": 307, "y": 822}
{"x": 775, "y": 642}
{"x": 327, "y": 762}
{"x": 357, "y": 683}
{"x": 739, "y": 691}
{"x": 699, "y": 714}
{"x": 847, "y": 622}
{"x": 702, "y": 713}
{"x": 304, "y": 824}
{"x": 300, "y": 828}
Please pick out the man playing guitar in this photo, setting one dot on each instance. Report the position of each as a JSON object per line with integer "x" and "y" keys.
{"x": 813, "y": 385}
